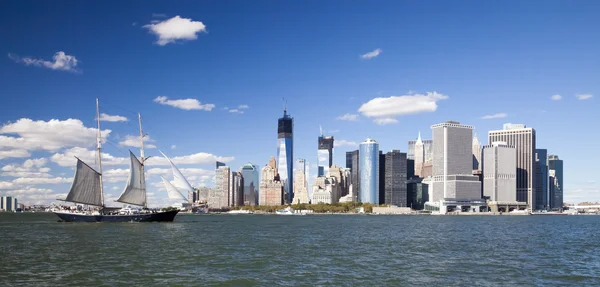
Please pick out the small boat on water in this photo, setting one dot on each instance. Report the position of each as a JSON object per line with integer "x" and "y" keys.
{"x": 240, "y": 211}
{"x": 87, "y": 189}
{"x": 286, "y": 211}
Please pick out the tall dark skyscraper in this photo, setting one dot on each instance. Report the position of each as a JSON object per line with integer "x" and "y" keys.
{"x": 395, "y": 178}
{"x": 325, "y": 153}
{"x": 382, "y": 171}
{"x": 285, "y": 154}
{"x": 352, "y": 159}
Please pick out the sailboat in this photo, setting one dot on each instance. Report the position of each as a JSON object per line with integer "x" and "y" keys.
{"x": 87, "y": 188}
{"x": 181, "y": 182}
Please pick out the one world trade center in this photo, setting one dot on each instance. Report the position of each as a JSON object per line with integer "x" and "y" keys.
{"x": 285, "y": 154}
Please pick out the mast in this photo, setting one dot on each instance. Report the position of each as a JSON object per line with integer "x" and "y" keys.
{"x": 99, "y": 147}
{"x": 142, "y": 159}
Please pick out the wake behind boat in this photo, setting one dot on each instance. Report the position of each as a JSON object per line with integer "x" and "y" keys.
{"x": 87, "y": 188}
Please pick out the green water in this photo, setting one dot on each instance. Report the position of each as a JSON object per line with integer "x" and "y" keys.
{"x": 313, "y": 250}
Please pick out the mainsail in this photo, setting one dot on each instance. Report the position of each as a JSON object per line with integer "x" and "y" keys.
{"x": 135, "y": 190}
{"x": 178, "y": 177}
{"x": 173, "y": 192}
{"x": 86, "y": 186}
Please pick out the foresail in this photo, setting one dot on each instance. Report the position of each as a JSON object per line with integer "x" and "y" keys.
{"x": 178, "y": 177}
{"x": 86, "y": 186}
{"x": 173, "y": 192}
{"x": 135, "y": 190}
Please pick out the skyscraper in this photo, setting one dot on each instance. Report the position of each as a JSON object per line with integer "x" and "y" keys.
{"x": 477, "y": 151}
{"x": 251, "y": 184}
{"x": 556, "y": 170}
{"x": 419, "y": 156}
{"x": 453, "y": 163}
{"x": 352, "y": 160}
{"x": 271, "y": 189}
{"x": 285, "y": 154}
{"x": 8, "y": 203}
{"x": 427, "y": 149}
{"x": 500, "y": 172}
{"x": 369, "y": 171}
{"x": 523, "y": 139}
{"x": 325, "y": 153}
{"x": 395, "y": 178}
{"x": 381, "y": 194}
{"x": 220, "y": 195}
{"x": 300, "y": 183}
{"x": 542, "y": 179}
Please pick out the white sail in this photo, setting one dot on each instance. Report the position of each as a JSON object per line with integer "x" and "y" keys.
{"x": 135, "y": 190}
{"x": 173, "y": 192}
{"x": 178, "y": 177}
{"x": 86, "y": 186}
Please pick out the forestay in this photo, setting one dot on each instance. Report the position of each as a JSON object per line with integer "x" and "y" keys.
{"x": 135, "y": 190}
{"x": 86, "y": 187}
{"x": 173, "y": 192}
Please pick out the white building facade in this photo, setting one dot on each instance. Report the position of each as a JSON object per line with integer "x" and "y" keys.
{"x": 500, "y": 172}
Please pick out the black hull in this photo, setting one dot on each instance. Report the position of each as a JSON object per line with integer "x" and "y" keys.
{"x": 167, "y": 216}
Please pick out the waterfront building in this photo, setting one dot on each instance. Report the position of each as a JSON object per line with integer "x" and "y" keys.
{"x": 542, "y": 179}
{"x": 395, "y": 178}
{"x": 8, "y": 203}
{"x": 453, "y": 177}
{"x": 369, "y": 171}
{"x": 250, "y": 174}
{"x": 417, "y": 193}
{"x": 340, "y": 179}
{"x": 477, "y": 152}
{"x": 381, "y": 194}
{"x": 500, "y": 172}
{"x": 353, "y": 165}
{"x": 271, "y": 188}
{"x": 555, "y": 166}
{"x": 236, "y": 189}
{"x": 285, "y": 154}
{"x": 325, "y": 153}
{"x": 326, "y": 189}
{"x": 203, "y": 194}
{"x": 219, "y": 197}
{"x": 300, "y": 184}
{"x": 524, "y": 140}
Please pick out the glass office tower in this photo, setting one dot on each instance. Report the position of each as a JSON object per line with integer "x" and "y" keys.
{"x": 285, "y": 154}
{"x": 369, "y": 171}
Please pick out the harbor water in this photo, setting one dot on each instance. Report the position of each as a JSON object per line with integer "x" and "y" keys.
{"x": 312, "y": 250}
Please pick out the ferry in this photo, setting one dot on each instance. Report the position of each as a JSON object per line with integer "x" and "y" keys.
{"x": 287, "y": 211}
{"x": 240, "y": 211}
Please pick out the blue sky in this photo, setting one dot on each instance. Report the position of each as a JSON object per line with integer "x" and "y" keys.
{"x": 452, "y": 60}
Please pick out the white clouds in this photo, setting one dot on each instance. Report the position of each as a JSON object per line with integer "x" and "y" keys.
{"x": 49, "y": 135}
{"x": 173, "y": 147}
{"x": 583, "y": 97}
{"x": 236, "y": 111}
{"x": 494, "y": 116}
{"x": 384, "y": 110}
{"x": 340, "y": 143}
{"x": 184, "y": 104}
{"x": 134, "y": 141}
{"x": 371, "y": 55}
{"x": 241, "y": 107}
{"x": 176, "y": 28}
{"x": 348, "y": 117}
{"x": 67, "y": 158}
{"x": 30, "y": 168}
{"x": 197, "y": 158}
{"x": 17, "y": 153}
{"x": 556, "y": 97}
{"x": 40, "y": 180}
{"x": 61, "y": 62}
{"x": 112, "y": 118}
{"x": 385, "y": 121}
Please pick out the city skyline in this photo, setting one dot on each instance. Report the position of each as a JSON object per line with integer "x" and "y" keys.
{"x": 205, "y": 97}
